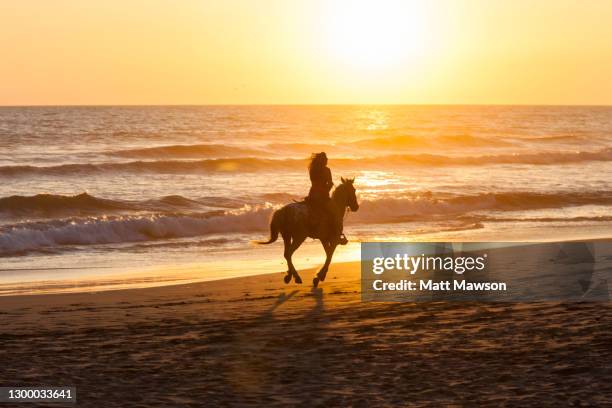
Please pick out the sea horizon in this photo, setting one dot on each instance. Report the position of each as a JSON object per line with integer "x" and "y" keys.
{"x": 552, "y": 105}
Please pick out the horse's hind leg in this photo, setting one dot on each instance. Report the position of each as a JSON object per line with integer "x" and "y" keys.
{"x": 287, "y": 254}
{"x": 293, "y": 246}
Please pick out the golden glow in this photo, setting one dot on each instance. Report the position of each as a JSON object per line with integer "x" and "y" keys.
{"x": 375, "y": 34}
{"x": 305, "y": 51}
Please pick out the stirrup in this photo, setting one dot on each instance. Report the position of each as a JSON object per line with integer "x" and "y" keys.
{"x": 343, "y": 240}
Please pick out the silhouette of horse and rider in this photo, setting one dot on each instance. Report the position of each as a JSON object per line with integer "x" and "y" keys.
{"x": 318, "y": 216}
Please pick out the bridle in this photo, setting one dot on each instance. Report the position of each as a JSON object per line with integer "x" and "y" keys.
{"x": 345, "y": 209}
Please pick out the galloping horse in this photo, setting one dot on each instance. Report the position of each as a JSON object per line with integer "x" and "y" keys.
{"x": 293, "y": 223}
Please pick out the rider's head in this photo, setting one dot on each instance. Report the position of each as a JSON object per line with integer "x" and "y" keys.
{"x": 318, "y": 161}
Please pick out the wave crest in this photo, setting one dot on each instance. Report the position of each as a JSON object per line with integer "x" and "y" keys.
{"x": 27, "y": 237}
{"x": 421, "y": 207}
{"x": 32, "y": 236}
{"x": 45, "y": 205}
{"x": 55, "y": 203}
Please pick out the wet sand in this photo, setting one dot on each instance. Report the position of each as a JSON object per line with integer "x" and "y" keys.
{"x": 257, "y": 341}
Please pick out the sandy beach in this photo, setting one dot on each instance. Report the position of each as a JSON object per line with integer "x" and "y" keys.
{"x": 255, "y": 340}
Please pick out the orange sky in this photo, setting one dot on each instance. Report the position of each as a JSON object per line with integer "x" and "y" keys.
{"x": 311, "y": 51}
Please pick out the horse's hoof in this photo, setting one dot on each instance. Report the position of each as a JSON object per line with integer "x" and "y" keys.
{"x": 315, "y": 282}
{"x": 287, "y": 278}
{"x": 298, "y": 279}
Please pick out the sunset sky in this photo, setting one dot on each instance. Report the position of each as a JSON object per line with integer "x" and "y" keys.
{"x": 311, "y": 51}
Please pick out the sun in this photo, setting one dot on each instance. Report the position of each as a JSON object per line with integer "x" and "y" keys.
{"x": 374, "y": 34}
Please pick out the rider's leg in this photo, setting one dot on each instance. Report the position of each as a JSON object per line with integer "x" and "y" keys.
{"x": 336, "y": 222}
{"x": 332, "y": 221}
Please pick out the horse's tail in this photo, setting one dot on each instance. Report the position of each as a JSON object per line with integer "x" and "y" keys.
{"x": 274, "y": 228}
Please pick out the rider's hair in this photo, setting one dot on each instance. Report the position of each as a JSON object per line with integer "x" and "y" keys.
{"x": 317, "y": 161}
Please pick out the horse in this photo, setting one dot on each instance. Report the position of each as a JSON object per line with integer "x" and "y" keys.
{"x": 293, "y": 223}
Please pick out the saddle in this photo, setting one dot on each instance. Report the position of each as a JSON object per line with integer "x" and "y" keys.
{"x": 318, "y": 218}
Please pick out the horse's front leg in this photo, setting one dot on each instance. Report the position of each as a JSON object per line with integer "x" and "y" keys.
{"x": 329, "y": 253}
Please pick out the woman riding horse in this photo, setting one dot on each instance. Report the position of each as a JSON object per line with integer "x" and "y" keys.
{"x": 318, "y": 197}
{"x": 293, "y": 221}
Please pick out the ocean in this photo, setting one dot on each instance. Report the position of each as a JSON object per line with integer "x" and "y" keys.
{"x": 95, "y": 198}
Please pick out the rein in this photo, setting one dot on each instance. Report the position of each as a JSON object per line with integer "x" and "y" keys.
{"x": 344, "y": 210}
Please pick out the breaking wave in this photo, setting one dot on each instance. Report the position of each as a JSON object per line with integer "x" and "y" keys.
{"x": 44, "y": 205}
{"x": 420, "y": 207}
{"x": 57, "y": 205}
{"x": 25, "y": 237}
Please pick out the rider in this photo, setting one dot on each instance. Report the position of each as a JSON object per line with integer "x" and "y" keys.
{"x": 318, "y": 197}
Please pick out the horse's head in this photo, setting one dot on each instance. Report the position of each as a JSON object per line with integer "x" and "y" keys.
{"x": 347, "y": 189}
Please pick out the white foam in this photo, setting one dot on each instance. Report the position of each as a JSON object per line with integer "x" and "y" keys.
{"x": 105, "y": 230}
